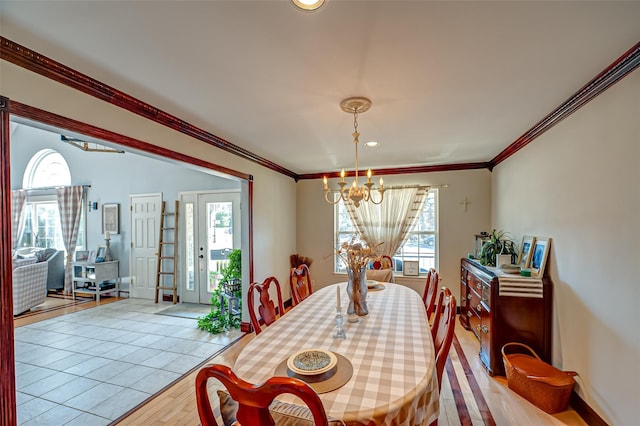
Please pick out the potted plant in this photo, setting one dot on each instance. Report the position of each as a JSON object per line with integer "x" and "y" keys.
{"x": 497, "y": 243}
{"x": 221, "y": 320}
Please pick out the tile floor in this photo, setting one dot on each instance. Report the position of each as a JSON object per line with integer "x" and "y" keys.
{"x": 91, "y": 367}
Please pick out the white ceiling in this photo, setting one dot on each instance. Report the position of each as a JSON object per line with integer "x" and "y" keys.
{"x": 451, "y": 82}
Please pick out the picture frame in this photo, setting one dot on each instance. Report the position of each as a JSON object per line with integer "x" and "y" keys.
{"x": 100, "y": 253}
{"x": 526, "y": 249}
{"x": 81, "y": 255}
{"x": 411, "y": 268}
{"x": 539, "y": 256}
{"x": 111, "y": 218}
{"x": 92, "y": 256}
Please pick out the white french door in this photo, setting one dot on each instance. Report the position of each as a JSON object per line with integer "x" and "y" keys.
{"x": 145, "y": 226}
{"x": 211, "y": 223}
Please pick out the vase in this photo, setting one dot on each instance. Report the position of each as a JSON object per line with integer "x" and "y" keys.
{"x": 357, "y": 291}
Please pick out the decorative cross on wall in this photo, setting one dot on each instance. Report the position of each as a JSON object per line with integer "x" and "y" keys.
{"x": 465, "y": 203}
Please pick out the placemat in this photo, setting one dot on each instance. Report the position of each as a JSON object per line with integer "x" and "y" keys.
{"x": 322, "y": 383}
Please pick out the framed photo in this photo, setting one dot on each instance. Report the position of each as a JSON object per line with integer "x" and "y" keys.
{"x": 92, "y": 256}
{"x": 539, "y": 256}
{"x": 82, "y": 255}
{"x": 526, "y": 248}
{"x": 111, "y": 218}
{"x": 411, "y": 268}
{"x": 100, "y": 253}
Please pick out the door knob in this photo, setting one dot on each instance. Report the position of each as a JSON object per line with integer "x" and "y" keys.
{"x": 201, "y": 256}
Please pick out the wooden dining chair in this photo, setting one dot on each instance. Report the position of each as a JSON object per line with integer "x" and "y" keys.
{"x": 253, "y": 401}
{"x": 300, "y": 283}
{"x": 384, "y": 262}
{"x": 266, "y": 308}
{"x": 430, "y": 292}
{"x": 445, "y": 328}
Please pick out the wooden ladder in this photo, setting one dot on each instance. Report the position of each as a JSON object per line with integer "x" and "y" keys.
{"x": 164, "y": 260}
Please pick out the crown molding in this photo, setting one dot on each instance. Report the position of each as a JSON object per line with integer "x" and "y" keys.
{"x": 47, "y": 67}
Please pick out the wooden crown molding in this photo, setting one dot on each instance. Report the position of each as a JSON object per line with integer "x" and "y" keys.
{"x": 56, "y": 71}
{"x": 49, "y": 118}
{"x": 619, "y": 69}
{"x": 47, "y": 67}
{"x": 401, "y": 170}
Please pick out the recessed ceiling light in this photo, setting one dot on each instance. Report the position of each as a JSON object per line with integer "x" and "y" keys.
{"x": 308, "y": 5}
{"x": 372, "y": 144}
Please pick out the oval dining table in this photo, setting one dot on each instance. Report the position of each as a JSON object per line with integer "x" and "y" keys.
{"x": 394, "y": 378}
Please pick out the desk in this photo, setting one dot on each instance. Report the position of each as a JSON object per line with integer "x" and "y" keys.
{"x": 394, "y": 377}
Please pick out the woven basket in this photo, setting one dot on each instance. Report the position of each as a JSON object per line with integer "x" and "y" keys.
{"x": 540, "y": 383}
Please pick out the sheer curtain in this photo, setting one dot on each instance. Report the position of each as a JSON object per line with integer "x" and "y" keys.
{"x": 390, "y": 221}
{"x": 18, "y": 201}
{"x": 70, "y": 207}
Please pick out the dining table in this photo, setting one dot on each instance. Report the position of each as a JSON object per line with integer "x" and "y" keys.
{"x": 394, "y": 380}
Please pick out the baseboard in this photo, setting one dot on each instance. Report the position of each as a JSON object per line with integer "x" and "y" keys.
{"x": 585, "y": 411}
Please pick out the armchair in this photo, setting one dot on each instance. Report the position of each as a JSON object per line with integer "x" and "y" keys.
{"x": 29, "y": 286}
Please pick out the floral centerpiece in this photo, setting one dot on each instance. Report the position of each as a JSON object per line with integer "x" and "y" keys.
{"x": 356, "y": 256}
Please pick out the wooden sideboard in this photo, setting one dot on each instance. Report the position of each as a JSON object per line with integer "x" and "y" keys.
{"x": 500, "y": 308}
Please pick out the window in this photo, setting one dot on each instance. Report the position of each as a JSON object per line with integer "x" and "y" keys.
{"x": 47, "y": 168}
{"x": 421, "y": 243}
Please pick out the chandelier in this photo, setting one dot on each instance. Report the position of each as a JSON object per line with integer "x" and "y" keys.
{"x": 354, "y": 192}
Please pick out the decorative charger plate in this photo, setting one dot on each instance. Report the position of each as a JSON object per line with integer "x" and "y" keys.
{"x": 328, "y": 381}
{"x": 371, "y": 283}
{"x": 311, "y": 362}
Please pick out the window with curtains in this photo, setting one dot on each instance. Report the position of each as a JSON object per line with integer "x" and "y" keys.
{"x": 421, "y": 243}
{"x": 47, "y": 168}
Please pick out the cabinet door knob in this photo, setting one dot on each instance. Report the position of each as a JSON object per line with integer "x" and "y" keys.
{"x": 469, "y": 314}
{"x": 479, "y": 308}
{"x": 485, "y": 329}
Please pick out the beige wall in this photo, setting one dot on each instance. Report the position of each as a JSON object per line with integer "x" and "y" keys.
{"x": 457, "y": 227}
{"x": 274, "y": 194}
{"x": 580, "y": 185}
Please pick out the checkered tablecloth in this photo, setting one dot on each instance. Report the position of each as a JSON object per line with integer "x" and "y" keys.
{"x": 394, "y": 380}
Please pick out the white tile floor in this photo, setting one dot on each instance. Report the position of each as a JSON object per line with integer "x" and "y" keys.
{"x": 92, "y": 366}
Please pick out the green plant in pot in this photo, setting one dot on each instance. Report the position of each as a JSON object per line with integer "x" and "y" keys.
{"x": 217, "y": 321}
{"x": 498, "y": 242}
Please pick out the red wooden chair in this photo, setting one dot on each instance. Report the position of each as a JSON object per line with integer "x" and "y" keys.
{"x": 266, "y": 308}
{"x": 445, "y": 327}
{"x": 253, "y": 401}
{"x": 430, "y": 292}
{"x": 300, "y": 283}
{"x": 384, "y": 262}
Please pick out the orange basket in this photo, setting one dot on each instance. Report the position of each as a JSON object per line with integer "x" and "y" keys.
{"x": 540, "y": 383}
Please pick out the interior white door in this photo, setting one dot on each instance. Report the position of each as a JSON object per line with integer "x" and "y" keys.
{"x": 145, "y": 228}
{"x": 212, "y": 228}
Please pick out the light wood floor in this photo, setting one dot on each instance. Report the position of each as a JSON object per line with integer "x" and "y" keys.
{"x": 176, "y": 405}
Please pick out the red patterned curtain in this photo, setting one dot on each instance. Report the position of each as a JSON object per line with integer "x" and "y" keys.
{"x": 18, "y": 201}
{"x": 70, "y": 205}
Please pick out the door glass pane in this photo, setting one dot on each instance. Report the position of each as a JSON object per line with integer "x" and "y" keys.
{"x": 190, "y": 255}
{"x": 219, "y": 238}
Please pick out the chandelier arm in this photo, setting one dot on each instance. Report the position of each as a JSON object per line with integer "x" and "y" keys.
{"x": 326, "y": 197}
{"x": 381, "y": 198}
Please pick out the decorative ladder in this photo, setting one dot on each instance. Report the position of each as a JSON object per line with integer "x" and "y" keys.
{"x": 164, "y": 260}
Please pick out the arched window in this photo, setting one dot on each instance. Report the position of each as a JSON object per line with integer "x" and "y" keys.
{"x": 46, "y": 168}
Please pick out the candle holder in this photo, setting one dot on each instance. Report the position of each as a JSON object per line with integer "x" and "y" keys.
{"x": 339, "y": 329}
{"x": 107, "y": 253}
